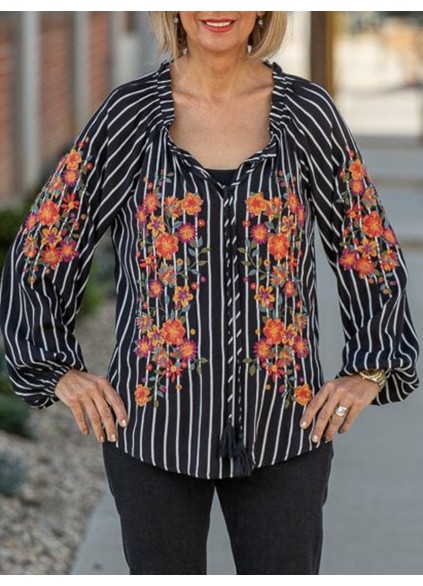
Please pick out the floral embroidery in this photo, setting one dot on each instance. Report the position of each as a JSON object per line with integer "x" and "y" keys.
{"x": 368, "y": 239}
{"x": 169, "y": 253}
{"x": 271, "y": 253}
{"x": 51, "y": 226}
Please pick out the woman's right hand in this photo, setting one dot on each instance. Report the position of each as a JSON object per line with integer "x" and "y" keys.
{"x": 92, "y": 398}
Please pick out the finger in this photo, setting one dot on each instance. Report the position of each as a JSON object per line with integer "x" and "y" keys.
{"x": 115, "y": 401}
{"x": 335, "y": 422}
{"x": 349, "y": 419}
{"x": 105, "y": 413}
{"x": 79, "y": 417}
{"x": 94, "y": 418}
{"x": 313, "y": 407}
{"x": 324, "y": 416}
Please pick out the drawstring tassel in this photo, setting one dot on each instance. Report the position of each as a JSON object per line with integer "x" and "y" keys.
{"x": 227, "y": 441}
{"x": 231, "y": 447}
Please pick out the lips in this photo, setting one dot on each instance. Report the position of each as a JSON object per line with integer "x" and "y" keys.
{"x": 218, "y": 25}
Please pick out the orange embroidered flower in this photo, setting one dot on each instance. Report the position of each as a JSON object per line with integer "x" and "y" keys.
{"x": 278, "y": 245}
{"x": 51, "y": 256}
{"x": 369, "y": 197}
{"x": 357, "y": 186}
{"x": 186, "y": 232}
{"x": 155, "y": 336}
{"x": 279, "y": 275}
{"x": 156, "y": 225}
{"x": 390, "y": 236}
{"x": 191, "y": 204}
{"x": 273, "y": 330}
{"x": 286, "y": 356}
{"x": 173, "y": 331}
{"x": 143, "y": 346}
{"x": 188, "y": 349}
{"x": 142, "y": 395}
{"x": 50, "y": 236}
{"x": 151, "y": 203}
{"x": 172, "y": 371}
{"x": 30, "y": 248}
{"x": 275, "y": 370}
{"x": 372, "y": 225}
{"x": 264, "y": 296}
{"x": 141, "y": 215}
{"x": 303, "y": 395}
{"x": 155, "y": 288}
{"x": 355, "y": 211}
{"x": 367, "y": 247}
{"x": 274, "y": 207}
{"x": 182, "y": 296}
{"x": 259, "y": 233}
{"x": 256, "y": 204}
{"x": 144, "y": 322}
{"x": 364, "y": 266}
{"x": 70, "y": 177}
{"x": 290, "y": 288}
{"x": 48, "y": 213}
{"x": 262, "y": 349}
{"x": 173, "y": 206}
{"x": 68, "y": 250}
{"x": 289, "y": 335}
{"x": 301, "y": 216}
{"x": 348, "y": 258}
{"x": 356, "y": 169}
{"x": 73, "y": 160}
{"x": 166, "y": 245}
{"x": 31, "y": 221}
{"x": 389, "y": 260}
{"x": 293, "y": 202}
{"x": 300, "y": 347}
{"x": 70, "y": 202}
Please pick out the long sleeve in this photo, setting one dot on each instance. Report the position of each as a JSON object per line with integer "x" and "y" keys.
{"x": 47, "y": 266}
{"x": 364, "y": 253}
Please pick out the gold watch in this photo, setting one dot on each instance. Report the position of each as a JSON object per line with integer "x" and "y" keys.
{"x": 376, "y": 375}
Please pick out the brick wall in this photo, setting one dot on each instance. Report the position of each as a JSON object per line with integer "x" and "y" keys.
{"x": 55, "y": 107}
{"x": 7, "y": 114}
{"x": 100, "y": 62}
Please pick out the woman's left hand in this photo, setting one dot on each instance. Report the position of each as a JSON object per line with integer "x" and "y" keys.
{"x": 353, "y": 392}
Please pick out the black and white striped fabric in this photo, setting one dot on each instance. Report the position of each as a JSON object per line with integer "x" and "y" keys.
{"x": 216, "y": 352}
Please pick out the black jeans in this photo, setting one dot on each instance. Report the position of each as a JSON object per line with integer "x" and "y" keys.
{"x": 273, "y": 517}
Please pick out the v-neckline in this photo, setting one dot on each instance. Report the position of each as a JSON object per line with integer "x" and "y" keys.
{"x": 164, "y": 89}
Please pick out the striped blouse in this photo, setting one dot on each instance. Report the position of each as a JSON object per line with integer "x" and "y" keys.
{"x": 216, "y": 353}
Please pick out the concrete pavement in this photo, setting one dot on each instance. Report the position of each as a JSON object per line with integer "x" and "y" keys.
{"x": 374, "y": 514}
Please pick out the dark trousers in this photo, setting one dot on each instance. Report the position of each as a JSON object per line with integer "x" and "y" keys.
{"x": 273, "y": 517}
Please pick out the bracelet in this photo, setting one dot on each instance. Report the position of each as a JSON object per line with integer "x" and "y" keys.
{"x": 376, "y": 375}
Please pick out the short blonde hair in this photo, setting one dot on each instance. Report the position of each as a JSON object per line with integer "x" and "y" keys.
{"x": 264, "y": 40}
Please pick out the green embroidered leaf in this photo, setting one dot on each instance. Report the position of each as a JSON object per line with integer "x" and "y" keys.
{"x": 156, "y": 403}
{"x": 252, "y": 370}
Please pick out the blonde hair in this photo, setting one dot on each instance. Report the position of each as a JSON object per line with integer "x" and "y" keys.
{"x": 264, "y": 40}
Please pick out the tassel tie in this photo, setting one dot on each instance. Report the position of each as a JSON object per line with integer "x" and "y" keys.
{"x": 232, "y": 446}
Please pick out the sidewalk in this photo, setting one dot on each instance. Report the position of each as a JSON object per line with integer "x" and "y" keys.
{"x": 374, "y": 515}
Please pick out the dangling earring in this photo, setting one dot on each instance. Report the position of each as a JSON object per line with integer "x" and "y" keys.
{"x": 260, "y": 21}
{"x": 176, "y": 20}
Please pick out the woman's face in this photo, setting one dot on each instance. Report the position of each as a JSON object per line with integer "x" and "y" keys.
{"x": 218, "y": 31}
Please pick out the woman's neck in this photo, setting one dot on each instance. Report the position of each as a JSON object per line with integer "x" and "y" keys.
{"x": 215, "y": 77}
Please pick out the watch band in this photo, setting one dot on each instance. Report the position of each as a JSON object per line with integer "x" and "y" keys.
{"x": 376, "y": 375}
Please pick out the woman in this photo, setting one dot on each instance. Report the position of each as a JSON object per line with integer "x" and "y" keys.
{"x": 210, "y": 172}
